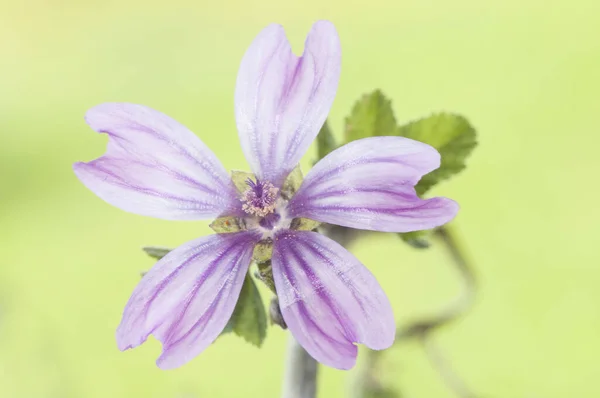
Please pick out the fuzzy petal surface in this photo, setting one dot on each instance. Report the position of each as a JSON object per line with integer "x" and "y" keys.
{"x": 187, "y": 298}
{"x": 154, "y": 166}
{"x": 281, "y": 100}
{"x": 369, "y": 184}
{"x": 329, "y": 300}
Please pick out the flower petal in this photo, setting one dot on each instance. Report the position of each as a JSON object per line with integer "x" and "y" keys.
{"x": 369, "y": 184}
{"x": 328, "y": 299}
{"x": 187, "y": 298}
{"x": 155, "y": 166}
{"x": 281, "y": 100}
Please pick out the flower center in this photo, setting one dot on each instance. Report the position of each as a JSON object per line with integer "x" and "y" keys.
{"x": 265, "y": 207}
{"x": 260, "y": 198}
{"x": 269, "y": 221}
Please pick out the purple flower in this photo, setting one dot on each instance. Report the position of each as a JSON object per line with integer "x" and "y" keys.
{"x": 156, "y": 167}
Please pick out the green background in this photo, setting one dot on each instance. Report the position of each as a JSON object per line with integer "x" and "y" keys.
{"x": 525, "y": 73}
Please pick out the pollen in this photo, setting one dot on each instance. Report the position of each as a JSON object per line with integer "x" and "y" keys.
{"x": 260, "y": 198}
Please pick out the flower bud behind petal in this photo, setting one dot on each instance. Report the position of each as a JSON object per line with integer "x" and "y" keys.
{"x": 275, "y": 313}
{"x": 265, "y": 274}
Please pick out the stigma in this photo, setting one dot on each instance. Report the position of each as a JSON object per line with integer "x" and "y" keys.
{"x": 260, "y": 198}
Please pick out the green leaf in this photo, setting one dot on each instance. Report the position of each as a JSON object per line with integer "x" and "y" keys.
{"x": 249, "y": 318}
{"x": 156, "y": 252}
{"x": 229, "y": 327}
{"x": 371, "y": 116}
{"x": 325, "y": 142}
{"x": 383, "y": 392}
{"x": 417, "y": 239}
{"x": 451, "y": 135}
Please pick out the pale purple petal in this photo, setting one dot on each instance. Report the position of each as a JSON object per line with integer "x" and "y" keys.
{"x": 187, "y": 298}
{"x": 155, "y": 166}
{"x": 369, "y": 184}
{"x": 328, "y": 299}
{"x": 281, "y": 100}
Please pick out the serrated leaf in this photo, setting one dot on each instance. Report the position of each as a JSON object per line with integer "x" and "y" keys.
{"x": 451, "y": 135}
{"x": 249, "y": 318}
{"x": 371, "y": 116}
{"x": 325, "y": 142}
{"x": 229, "y": 327}
{"x": 156, "y": 252}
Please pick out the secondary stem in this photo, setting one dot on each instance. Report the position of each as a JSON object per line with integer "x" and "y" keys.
{"x": 367, "y": 378}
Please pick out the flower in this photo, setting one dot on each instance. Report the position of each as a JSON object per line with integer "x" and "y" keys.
{"x": 154, "y": 166}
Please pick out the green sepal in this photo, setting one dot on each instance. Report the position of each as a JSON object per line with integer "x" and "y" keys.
{"x": 225, "y": 225}
{"x": 292, "y": 183}
{"x": 304, "y": 224}
{"x": 239, "y": 179}
{"x": 263, "y": 251}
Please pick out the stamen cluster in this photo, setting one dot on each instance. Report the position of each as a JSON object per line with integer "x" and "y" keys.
{"x": 260, "y": 198}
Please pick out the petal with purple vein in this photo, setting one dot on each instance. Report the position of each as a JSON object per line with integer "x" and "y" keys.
{"x": 281, "y": 100}
{"x": 156, "y": 167}
{"x": 370, "y": 184}
{"x": 187, "y": 298}
{"x": 328, "y": 299}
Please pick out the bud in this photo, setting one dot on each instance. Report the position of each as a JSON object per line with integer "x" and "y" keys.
{"x": 275, "y": 313}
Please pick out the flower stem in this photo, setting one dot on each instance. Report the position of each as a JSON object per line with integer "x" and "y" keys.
{"x": 300, "y": 374}
{"x": 300, "y": 377}
{"x": 460, "y": 260}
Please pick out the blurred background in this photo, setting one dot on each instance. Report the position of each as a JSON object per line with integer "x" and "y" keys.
{"x": 525, "y": 73}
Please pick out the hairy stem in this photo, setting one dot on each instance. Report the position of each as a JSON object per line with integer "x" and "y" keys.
{"x": 300, "y": 374}
{"x": 461, "y": 305}
{"x": 449, "y": 376}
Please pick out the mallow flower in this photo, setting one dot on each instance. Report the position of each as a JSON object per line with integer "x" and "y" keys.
{"x": 154, "y": 166}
